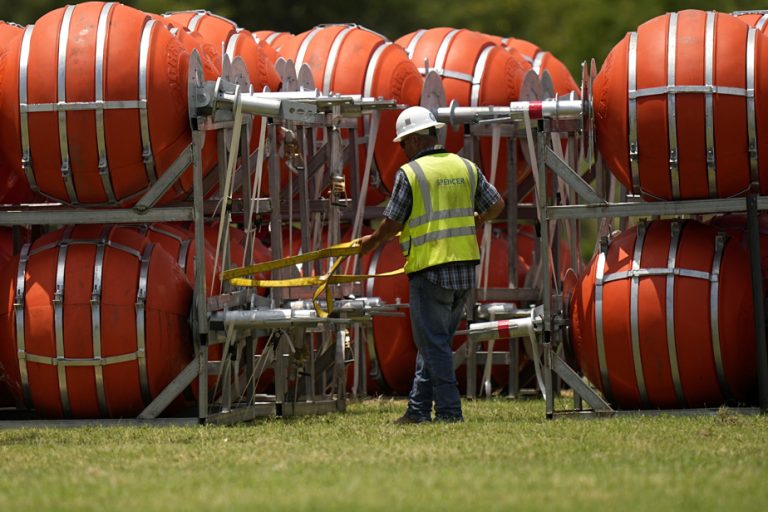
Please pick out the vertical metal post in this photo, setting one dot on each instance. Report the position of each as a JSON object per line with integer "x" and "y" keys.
{"x": 304, "y": 143}
{"x": 200, "y": 294}
{"x": 281, "y": 369}
{"x": 512, "y": 214}
{"x": 275, "y": 216}
{"x": 514, "y": 365}
{"x": 757, "y": 299}
{"x": 542, "y": 198}
{"x": 250, "y": 353}
{"x": 340, "y": 372}
{"x": 245, "y": 173}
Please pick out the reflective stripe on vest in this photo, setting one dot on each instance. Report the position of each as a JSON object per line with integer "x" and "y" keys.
{"x": 441, "y": 228}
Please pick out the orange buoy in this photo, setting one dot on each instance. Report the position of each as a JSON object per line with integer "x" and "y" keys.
{"x": 663, "y": 318}
{"x": 96, "y": 99}
{"x": 270, "y": 42}
{"x": 474, "y": 72}
{"x": 735, "y": 225}
{"x": 350, "y": 59}
{"x": 541, "y": 61}
{"x": 758, "y": 20}
{"x": 13, "y": 189}
{"x": 94, "y": 322}
{"x": 223, "y": 33}
{"x": 675, "y": 113}
{"x": 6, "y": 254}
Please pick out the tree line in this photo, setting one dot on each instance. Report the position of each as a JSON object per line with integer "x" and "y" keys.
{"x": 573, "y": 30}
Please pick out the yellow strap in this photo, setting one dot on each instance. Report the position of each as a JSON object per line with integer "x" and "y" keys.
{"x": 343, "y": 249}
{"x": 339, "y": 251}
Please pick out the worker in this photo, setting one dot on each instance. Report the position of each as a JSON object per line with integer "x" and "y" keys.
{"x": 437, "y": 202}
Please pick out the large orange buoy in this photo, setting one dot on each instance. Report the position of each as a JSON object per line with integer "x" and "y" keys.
{"x": 6, "y": 254}
{"x": 675, "y": 112}
{"x": 94, "y": 322}
{"x": 735, "y": 225}
{"x": 236, "y": 42}
{"x": 349, "y": 59}
{"x": 663, "y": 318}
{"x": 270, "y": 42}
{"x": 474, "y": 72}
{"x": 96, "y": 98}
{"x": 541, "y": 61}
{"x": 13, "y": 189}
{"x": 758, "y": 20}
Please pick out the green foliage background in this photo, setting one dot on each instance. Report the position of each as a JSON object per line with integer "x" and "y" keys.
{"x": 574, "y": 30}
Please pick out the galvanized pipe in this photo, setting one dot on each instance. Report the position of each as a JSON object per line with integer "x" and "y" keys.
{"x": 556, "y": 109}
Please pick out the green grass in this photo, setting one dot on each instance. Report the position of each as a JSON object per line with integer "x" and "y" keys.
{"x": 506, "y": 456}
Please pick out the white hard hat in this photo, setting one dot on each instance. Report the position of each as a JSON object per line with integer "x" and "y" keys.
{"x": 414, "y": 119}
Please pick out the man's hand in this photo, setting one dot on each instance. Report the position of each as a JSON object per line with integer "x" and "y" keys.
{"x": 368, "y": 244}
{"x": 387, "y": 230}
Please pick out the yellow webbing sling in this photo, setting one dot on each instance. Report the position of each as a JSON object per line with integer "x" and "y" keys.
{"x": 339, "y": 251}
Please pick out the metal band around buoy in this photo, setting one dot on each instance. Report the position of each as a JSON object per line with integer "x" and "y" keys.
{"x": 478, "y": 76}
{"x": 599, "y": 329}
{"x": 195, "y": 20}
{"x": 761, "y": 22}
{"x": 373, "y": 63}
{"x": 333, "y": 56}
{"x": 634, "y": 308}
{"x": 304, "y": 47}
{"x": 146, "y": 142}
{"x": 442, "y": 52}
{"x": 271, "y": 37}
{"x": 61, "y": 95}
{"x": 231, "y": 45}
{"x": 714, "y": 315}
{"x": 98, "y": 273}
{"x": 183, "y": 251}
{"x": 101, "y": 43}
{"x": 18, "y": 307}
{"x": 537, "y": 61}
{"x": 26, "y": 155}
{"x": 709, "y": 60}
{"x": 58, "y": 320}
{"x": 632, "y": 86}
{"x": 670, "y": 314}
{"x": 414, "y": 41}
{"x": 751, "y": 117}
{"x": 141, "y": 342}
{"x": 674, "y": 170}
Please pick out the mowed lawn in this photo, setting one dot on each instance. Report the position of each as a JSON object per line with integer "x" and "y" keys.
{"x": 506, "y": 456}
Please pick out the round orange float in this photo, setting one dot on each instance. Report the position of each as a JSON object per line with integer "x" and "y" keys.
{"x": 756, "y": 20}
{"x": 675, "y": 115}
{"x": 237, "y": 42}
{"x": 474, "y": 72}
{"x": 96, "y": 100}
{"x": 541, "y": 61}
{"x": 663, "y": 318}
{"x": 6, "y": 254}
{"x": 270, "y": 42}
{"x": 13, "y": 189}
{"x": 349, "y": 59}
{"x": 94, "y": 322}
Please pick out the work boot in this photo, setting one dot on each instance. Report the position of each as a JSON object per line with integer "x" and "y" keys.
{"x": 407, "y": 419}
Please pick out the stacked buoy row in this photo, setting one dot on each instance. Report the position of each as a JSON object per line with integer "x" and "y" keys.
{"x": 93, "y": 112}
{"x": 663, "y": 315}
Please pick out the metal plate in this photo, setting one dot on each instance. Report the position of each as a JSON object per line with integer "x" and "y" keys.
{"x": 548, "y": 86}
{"x": 306, "y": 81}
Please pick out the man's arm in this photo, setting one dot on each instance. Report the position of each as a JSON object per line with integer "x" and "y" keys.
{"x": 491, "y": 213}
{"x": 386, "y": 230}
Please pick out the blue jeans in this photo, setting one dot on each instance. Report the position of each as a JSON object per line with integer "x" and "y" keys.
{"x": 435, "y": 315}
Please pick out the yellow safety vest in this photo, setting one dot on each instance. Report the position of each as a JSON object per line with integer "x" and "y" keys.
{"x": 441, "y": 228}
